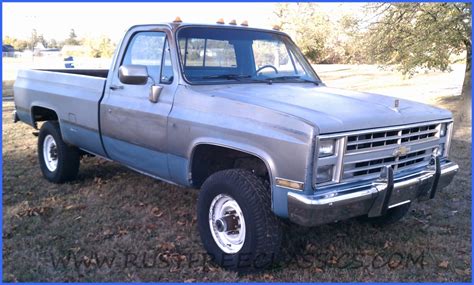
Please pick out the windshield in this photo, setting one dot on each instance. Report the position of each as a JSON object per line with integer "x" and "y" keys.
{"x": 224, "y": 55}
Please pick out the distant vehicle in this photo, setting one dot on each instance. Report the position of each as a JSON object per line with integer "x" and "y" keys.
{"x": 69, "y": 62}
{"x": 252, "y": 126}
{"x": 8, "y": 51}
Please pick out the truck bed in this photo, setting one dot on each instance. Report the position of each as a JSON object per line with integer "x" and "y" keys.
{"x": 73, "y": 94}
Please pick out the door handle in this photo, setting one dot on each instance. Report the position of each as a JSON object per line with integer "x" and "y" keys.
{"x": 116, "y": 87}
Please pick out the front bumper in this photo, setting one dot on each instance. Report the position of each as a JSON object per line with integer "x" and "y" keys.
{"x": 372, "y": 199}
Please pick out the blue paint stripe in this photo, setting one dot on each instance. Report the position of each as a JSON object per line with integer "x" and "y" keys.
{"x": 140, "y": 158}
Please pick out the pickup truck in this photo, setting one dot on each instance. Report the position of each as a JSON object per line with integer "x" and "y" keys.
{"x": 239, "y": 113}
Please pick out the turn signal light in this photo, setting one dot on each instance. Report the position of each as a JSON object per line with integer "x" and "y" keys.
{"x": 286, "y": 183}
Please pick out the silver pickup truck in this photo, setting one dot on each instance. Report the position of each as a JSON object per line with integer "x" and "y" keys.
{"x": 240, "y": 114}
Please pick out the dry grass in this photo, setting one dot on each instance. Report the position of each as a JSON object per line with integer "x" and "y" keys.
{"x": 112, "y": 211}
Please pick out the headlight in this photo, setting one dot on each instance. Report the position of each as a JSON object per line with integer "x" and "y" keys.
{"x": 326, "y": 147}
{"x": 443, "y": 130}
{"x": 324, "y": 173}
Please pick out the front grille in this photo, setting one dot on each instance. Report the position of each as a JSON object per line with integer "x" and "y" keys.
{"x": 374, "y": 166}
{"x": 367, "y": 153}
{"x": 371, "y": 140}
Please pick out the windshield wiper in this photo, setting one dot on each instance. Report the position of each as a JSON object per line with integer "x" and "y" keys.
{"x": 284, "y": 77}
{"x": 227, "y": 76}
{"x": 238, "y": 77}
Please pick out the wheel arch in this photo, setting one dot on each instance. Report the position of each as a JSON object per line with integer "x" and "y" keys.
{"x": 40, "y": 112}
{"x": 248, "y": 150}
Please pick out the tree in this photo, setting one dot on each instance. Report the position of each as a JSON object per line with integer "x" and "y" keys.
{"x": 19, "y": 45}
{"x": 72, "y": 39}
{"x": 33, "y": 39}
{"x": 100, "y": 47}
{"x": 42, "y": 40}
{"x": 52, "y": 43}
{"x": 308, "y": 26}
{"x": 422, "y": 35}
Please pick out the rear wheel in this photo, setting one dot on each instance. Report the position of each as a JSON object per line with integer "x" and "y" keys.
{"x": 58, "y": 161}
{"x": 236, "y": 224}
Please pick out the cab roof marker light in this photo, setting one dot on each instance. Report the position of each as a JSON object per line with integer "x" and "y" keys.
{"x": 245, "y": 23}
{"x": 220, "y": 21}
{"x": 177, "y": 20}
{"x": 276, "y": 27}
{"x": 233, "y": 22}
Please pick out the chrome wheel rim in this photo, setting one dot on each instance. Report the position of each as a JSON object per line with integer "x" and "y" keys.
{"x": 50, "y": 153}
{"x": 227, "y": 223}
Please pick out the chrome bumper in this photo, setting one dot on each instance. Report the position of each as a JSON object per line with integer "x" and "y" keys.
{"x": 372, "y": 199}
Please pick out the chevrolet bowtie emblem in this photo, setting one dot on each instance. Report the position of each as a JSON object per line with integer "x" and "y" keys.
{"x": 401, "y": 151}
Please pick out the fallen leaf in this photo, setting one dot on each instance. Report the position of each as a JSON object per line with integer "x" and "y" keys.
{"x": 156, "y": 212}
{"x": 151, "y": 227}
{"x": 443, "y": 264}
{"x": 108, "y": 233}
{"x": 267, "y": 276}
{"x": 167, "y": 246}
{"x": 122, "y": 232}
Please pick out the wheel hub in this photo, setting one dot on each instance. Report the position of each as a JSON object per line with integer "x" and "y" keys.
{"x": 227, "y": 223}
{"x": 50, "y": 153}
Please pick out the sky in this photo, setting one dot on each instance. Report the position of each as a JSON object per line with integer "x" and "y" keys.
{"x": 55, "y": 20}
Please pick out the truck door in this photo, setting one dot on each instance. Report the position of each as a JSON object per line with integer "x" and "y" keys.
{"x": 133, "y": 127}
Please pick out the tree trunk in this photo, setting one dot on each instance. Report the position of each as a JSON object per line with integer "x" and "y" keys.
{"x": 466, "y": 102}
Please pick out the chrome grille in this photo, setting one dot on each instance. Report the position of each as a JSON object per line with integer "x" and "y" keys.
{"x": 374, "y": 166}
{"x": 361, "y": 155}
{"x": 371, "y": 140}
{"x": 368, "y": 152}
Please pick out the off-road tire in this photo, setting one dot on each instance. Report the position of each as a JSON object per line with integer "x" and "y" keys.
{"x": 392, "y": 216}
{"x": 263, "y": 229}
{"x": 67, "y": 156}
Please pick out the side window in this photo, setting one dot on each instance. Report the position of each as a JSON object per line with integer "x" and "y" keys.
{"x": 151, "y": 49}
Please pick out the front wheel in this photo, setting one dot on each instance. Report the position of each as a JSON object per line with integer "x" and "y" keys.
{"x": 59, "y": 162}
{"x": 236, "y": 224}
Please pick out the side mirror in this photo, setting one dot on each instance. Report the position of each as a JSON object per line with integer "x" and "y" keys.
{"x": 133, "y": 74}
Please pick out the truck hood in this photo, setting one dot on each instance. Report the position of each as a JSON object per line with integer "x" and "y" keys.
{"x": 331, "y": 110}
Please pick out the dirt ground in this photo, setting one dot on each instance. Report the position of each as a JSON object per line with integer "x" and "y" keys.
{"x": 113, "y": 224}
